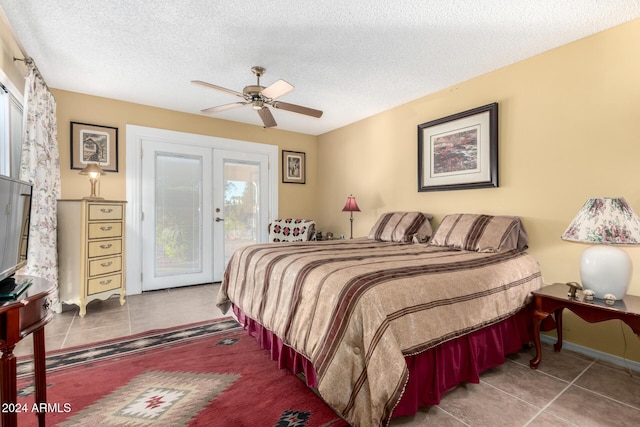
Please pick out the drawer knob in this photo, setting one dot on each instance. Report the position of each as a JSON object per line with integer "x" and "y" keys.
{"x": 106, "y": 228}
{"x": 105, "y": 282}
{"x": 46, "y": 303}
{"x": 106, "y": 210}
{"x": 106, "y": 246}
{"x": 106, "y": 264}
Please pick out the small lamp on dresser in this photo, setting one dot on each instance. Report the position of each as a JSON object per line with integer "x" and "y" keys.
{"x": 351, "y": 206}
{"x": 94, "y": 171}
{"x": 605, "y": 222}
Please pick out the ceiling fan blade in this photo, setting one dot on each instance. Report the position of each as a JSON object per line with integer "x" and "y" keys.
{"x": 224, "y": 107}
{"x": 267, "y": 117}
{"x": 215, "y": 87}
{"x": 277, "y": 89}
{"x": 297, "y": 109}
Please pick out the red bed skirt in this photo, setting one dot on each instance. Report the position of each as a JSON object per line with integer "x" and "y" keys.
{"x": 432, "y": 373}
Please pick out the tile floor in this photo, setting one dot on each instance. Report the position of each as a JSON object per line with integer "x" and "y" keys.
{"x": 568, "y": 389}
{"x": 108, "y": 319}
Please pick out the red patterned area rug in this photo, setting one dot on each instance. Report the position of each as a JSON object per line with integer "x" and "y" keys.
{"x": 208, "y": 374}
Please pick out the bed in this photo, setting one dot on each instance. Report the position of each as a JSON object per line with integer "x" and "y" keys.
{"x": 383, "y": 324}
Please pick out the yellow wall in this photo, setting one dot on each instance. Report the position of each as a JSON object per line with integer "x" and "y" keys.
{"x": 294, "y": 199}
{"x": 569, "y": 123}
{"x": 9, "y": 49}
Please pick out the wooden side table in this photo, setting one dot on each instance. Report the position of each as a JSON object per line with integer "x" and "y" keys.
{"x": 19, "y": 318}
{"x": 553, "y": 299}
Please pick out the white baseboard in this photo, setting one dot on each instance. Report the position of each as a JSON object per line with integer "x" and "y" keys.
{"x": 596, "y": 354}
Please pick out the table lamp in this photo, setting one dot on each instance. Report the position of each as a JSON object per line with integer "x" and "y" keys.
{"x": 605, "y": 222}
{"x": 351, "y": 206}
{"x": 94, "y": 171}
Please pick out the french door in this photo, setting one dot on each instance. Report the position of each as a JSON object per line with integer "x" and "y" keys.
{"x": 199, "y": 204}
{"x": 177, "y": 248}
{"x": 241, "y": 201}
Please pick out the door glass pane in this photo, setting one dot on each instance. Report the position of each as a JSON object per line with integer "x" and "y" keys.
{"x": 178, "y": 215}
{"x": 241, "y": 207}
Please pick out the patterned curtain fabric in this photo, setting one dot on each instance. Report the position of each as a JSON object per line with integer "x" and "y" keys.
{"x": 40, "y": 167}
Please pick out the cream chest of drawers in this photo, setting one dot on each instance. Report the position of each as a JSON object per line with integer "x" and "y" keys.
{"x": 91, "y": 251}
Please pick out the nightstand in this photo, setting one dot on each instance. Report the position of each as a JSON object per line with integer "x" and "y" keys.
{"x": 553, "y": 299}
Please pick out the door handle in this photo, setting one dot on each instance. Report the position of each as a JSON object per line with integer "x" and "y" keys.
{"x": 219, "y": 219}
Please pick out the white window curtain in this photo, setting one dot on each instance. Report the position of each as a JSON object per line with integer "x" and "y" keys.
{"x": 40, "y": 166}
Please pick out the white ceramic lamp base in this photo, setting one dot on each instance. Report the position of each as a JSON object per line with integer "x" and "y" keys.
{"x": 605, "y": 269}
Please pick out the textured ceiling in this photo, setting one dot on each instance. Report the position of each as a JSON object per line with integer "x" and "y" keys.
{"x": 351, "y": 59}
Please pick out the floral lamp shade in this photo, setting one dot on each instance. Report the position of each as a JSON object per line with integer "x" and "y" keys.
{"x": 606, "y": 222}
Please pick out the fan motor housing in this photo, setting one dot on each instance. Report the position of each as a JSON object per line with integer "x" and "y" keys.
{"x": 252, "y": 90}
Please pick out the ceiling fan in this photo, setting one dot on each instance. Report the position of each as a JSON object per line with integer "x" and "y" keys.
{"x": 260, "y": 97}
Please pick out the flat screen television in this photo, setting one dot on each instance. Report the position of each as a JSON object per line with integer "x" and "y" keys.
{"x": 15, "y": 211}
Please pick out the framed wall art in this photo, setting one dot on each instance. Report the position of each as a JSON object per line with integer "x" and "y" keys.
{"x": 460, "y": 151}
{"x": 294, "y": 167}
{"x": 94, "y": 144}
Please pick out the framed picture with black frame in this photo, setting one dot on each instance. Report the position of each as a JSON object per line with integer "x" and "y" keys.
{"x": 294, "y": 167}
{"x": 460, "y": 151}
{"x": 94, "y": 144}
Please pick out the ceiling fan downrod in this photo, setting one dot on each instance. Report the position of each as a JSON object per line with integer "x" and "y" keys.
{"x": 258, "y": 71}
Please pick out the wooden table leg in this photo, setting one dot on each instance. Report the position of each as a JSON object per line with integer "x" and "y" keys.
{"x": 8, "y": 369}
{"x": 558, "y": 315}
{"x": 538, "y": 316}
{"x": 39, "y": 362}
{"x": 9, "y": 388}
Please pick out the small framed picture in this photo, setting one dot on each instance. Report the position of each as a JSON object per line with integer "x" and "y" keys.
{"x": 94, "y": 144}
{"x": 293, "y": 167}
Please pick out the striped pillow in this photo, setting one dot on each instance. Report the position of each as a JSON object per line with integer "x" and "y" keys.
{"x": 404, "y": 227}
{"x": 480, "y": 233}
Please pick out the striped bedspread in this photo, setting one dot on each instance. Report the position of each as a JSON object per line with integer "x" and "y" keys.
{"x": 356, "y": 307}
